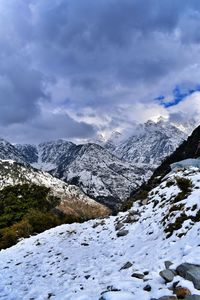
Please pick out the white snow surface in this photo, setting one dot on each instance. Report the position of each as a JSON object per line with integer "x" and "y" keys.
{"x": 56, "y": 263}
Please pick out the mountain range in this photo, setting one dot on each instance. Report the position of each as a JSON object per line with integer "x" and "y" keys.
{"x": 107, "y": 171}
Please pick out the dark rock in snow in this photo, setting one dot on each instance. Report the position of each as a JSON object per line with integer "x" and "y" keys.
{"x": 138, "y": 275}
{"x": 168, "y": 264}
{"x": 167, "y": 275}
{"x": 190, "y": 272}
{"x": 119, "y": 226}
{"x": 193, "y": 297}
{"x": 147, "y": 288}
{"x": 122, "y": 233}
{"x": 126, "y": 266}
{"x": 168, "y": 298}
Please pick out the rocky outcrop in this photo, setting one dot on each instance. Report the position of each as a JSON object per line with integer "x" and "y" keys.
{"x": 190, "y": 272}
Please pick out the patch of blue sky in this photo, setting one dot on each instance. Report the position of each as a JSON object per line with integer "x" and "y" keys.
{"x": 177, "y": 96}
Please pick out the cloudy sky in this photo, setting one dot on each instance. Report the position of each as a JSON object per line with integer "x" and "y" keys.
{"x": 74, "y": 68}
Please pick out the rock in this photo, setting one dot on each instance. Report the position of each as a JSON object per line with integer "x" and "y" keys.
{"x": 146, "y": 273}
{"x": 190, "y": 272}
{"x": 126, "y": 266}
{"x": 167, "y": 275}
{"x": 181, "y": 292}
{"x": 122, "y": 233}
{"x": 131, "y": 218}
{"x": 119, "y": 226}
{"x": 193, "y": 297}
{"x": 168, "y": 264}
{"x": 168, "y": 298}
{"x": 87, "y": 276}
{"x": 147, "y": 288}
{"x": 84, "y": 244}
{"x": 138, "y": 275}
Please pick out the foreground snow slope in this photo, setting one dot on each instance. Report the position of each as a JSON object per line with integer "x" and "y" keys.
{"x": 80, "y": 261}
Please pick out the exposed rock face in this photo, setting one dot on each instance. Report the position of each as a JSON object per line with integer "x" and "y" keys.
{"x": 8, "y": 151}
{"x": 151, "y": 143}
{"x": 167, "y": 275}
{"x": 190, "y": 272}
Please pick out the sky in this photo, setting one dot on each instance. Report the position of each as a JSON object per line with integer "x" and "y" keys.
{"x": 75, "y": 68}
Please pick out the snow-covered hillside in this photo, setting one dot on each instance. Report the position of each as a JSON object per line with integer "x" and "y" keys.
{"x": 99, "y": 173}
{"x": 12, "y": 173}
{"x": 115, "y": 258}
{"x": 151, "y": 143}
{"x": 8, "y": 151}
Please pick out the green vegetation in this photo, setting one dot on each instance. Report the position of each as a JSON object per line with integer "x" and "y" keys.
{"x": 16, "y": 201}
{"x": 185, "y": 185}
{"x": 27, "y": 209}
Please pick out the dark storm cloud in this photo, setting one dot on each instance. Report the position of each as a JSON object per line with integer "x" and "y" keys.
{"x": 106, "y": 53}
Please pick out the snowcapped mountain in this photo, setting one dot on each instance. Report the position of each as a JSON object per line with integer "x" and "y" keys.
{"x": 12, "y": 173}
{"x": 100, "y": 174}
{"x": 139, "y": 254}
{"x": 110, "y": 170}
{"x": 8, "y": 151}
{"x": 151, "y": 143}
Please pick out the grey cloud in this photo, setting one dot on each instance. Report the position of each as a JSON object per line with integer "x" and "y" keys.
{"x": 47, "y": 127}
{"x": 108, "y": 52}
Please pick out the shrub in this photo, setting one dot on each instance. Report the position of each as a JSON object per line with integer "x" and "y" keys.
{"x": 16, "y": 201}
{"x": 41, "y": 221}
{"x": 184, "y": 184}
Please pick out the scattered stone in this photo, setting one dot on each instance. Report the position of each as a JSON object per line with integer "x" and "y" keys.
{"x": 181, "y": 292}
{"x": 193, "y": 297}
{"x": 131, "y": 218}
{"x": 147, "y": 288}
{"x": 168, "y": 264}
{"x": 167, "y": 275}
{"x": 138, "y": 275}
{"x": 190, "y": 272}
{"x": 119, "y": 226}
{"x": 122, "y": 233}
{"x": 126, "y": 266}
{"x": 50, "y": 295}
{"x": 168, "y": 298}
{"x": 84, "y": 244}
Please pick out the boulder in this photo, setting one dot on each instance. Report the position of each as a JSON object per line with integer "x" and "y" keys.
{"x": 190, "y": 272}
{"x": 126, "y": 266}
{"x": 138, "y": 275}
{"x": 122, "y": 233}
{"x": 193, "y": 297}
{"x": 167, "y": 275}
{"x": 119, "y": 226}
{"x": 168, "y": 264}
{"x": 168, "y": 298}
{"x": 147, "y": 288}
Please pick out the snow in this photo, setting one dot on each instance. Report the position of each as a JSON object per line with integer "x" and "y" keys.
{"x": 13, "y": 173}
{"x": 55, "y": 264}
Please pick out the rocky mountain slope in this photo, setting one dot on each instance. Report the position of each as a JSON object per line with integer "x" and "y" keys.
{"x": 72, "y": 199}
{"x": 111, "y": 171}
{"x": 8, "y": 151}
{"x": 189, "y": 149}
{"x": 100, "y": 174}
{"x": 138, "y": 254}
{"x": 151, "y": 143}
